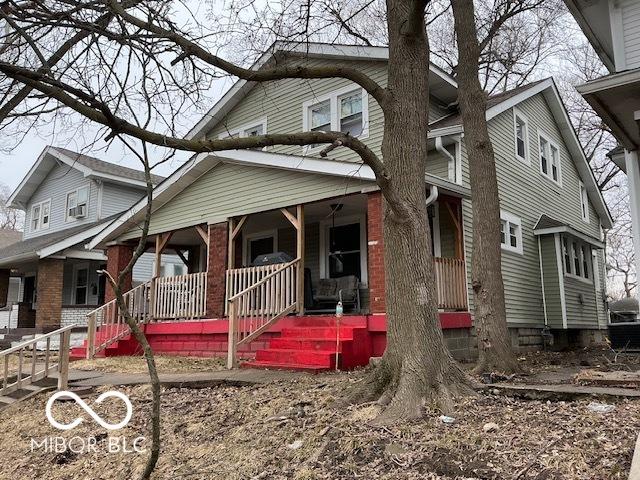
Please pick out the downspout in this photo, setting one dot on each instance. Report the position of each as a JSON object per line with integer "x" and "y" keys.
{"x": 433, "y": 195}
{"x": 440, "y": 148}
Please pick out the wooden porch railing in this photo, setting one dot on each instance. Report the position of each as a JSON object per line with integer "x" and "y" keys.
{"x": 451, "y": 283}
{"x": 37, "y": 368}
{"x": 239, "y": 279}
{"x": 111, "y": 320}
{"x": 266, "y": 297}
{"x": 184, "y": 297}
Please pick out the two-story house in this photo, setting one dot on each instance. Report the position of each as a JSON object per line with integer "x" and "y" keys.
{"x": 67, "y": 199}
{"x": 613, "y": 28}
{"x": 321, "y": 219}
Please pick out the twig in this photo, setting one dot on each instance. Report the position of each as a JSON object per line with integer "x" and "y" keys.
{"x": 521, "y": 473}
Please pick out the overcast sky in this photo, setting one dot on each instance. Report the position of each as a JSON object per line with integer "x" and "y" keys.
{"x": 15, "y": 164}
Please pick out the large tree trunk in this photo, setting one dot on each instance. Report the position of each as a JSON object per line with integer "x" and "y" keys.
{"x": 417, "y": 367}
{"x": 494, "y": 344}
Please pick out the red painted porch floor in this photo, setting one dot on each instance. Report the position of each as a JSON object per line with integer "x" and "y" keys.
{"x": 307, "y": 343}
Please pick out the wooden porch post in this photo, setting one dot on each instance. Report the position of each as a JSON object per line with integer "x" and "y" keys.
{"x": 300, "y": 255}
{"x": 457, "y": 222}
{"x": 162, "y": 239}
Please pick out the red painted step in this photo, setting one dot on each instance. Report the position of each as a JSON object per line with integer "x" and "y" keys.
{"x": 284, "y": 366}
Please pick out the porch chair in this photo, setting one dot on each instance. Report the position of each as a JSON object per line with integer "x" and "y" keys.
{"x": 330, "y": 291}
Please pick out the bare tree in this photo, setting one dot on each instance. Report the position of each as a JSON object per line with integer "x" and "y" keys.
{"x": 494, "y": 344}
{"x": 10, "y": 218}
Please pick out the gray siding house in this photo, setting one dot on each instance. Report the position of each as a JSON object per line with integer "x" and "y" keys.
{"x": 67, "y": 198}
{"x": 251, "y": 202}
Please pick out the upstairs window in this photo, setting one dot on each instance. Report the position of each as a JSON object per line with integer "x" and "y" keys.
{"x": 77, "y": 204}
{"x": 510, "y": 232}
{"x": 345, "y": 110}
{"x": 250, "y": 130}
{"x": 40, "y": 216}
{"x": 521, "y": 136}
{"x": 584, "y": 203}
{"x": 549, "y": 159}
{"x": 577, "y": 258}
{"x": 351, "y": 114}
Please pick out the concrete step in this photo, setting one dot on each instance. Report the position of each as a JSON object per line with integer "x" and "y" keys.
{"x": 320, "y": 358}
{"x": 346, "y": 333}
{"x": 284, "y": 366}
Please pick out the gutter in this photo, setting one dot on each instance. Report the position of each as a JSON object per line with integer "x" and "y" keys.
{"x": 440, "y": 148}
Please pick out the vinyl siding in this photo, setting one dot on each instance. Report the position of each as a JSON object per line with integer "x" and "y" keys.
{"x": 230, "y": 190}
{"x": 438, "y": 164}
{"x": 527, "y": 194}
{"x": 281, "y": 103}
{"x": 143, "y": 269}
{"x": 117, "y": 198}
{"x": 551, "y": 279}
{"x": 631, "y": 32}
{"x": 61, "y": 180}
{"x": 580, "y": 300}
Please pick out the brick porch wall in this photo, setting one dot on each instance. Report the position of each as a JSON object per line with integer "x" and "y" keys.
{"x": 49, "y": 304}
{"x": 216, "y": 269}
{"x": 118, "y": 256}
{"x": 375, "y": 253}
{"x": 4, "y": 286}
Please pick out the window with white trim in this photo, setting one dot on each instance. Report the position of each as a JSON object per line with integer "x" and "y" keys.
{"x": 77, "y": 204}
{"x": 576, "y": 255}
{"x": 253, "y": 129}
{"x": 521, "y": 136}
{"x": 40, "y": 216}
{"x": 549, "y": 158}
{"x": 345, "y": 110}
{"x": 510, "y": 232}
{"x": 584, "y": 203}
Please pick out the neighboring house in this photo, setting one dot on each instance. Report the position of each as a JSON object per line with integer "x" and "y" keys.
{"x": 613, "y": 28}
{"x": 7, "y": 311}
{"x": 67, "y": 199}
{"x": 327, "y": 213}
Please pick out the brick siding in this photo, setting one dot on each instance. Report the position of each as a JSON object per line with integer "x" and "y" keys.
{"x": 217, "y": 268}
{"x": 49, "y": 306}
{"x": 118, "y": 256}
{"x": 375, "y": 253}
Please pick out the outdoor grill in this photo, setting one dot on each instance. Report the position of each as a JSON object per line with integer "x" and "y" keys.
{"x": 271, "y": 259}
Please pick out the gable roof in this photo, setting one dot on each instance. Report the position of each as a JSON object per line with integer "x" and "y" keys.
{"x": 45, "y": 245}
{"x": 442, "y": 85}
{"x": 90, "y": 167}
{"x": 201, "y": 163}
{"x": 498, "y": 104}
{"x": 547, "y": 226}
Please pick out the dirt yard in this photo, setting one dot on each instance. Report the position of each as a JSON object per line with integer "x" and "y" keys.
{"x": 164, "y": 364}
{"x": 291, "y": 430}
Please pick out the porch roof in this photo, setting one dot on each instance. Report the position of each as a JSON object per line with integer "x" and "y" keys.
{"x": 547, "y": 225}
{"x": 202, "y": 163}
{"x": 50, "y": 244}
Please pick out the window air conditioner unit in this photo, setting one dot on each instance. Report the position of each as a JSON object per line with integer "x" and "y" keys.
{"x": 78, "y": 212}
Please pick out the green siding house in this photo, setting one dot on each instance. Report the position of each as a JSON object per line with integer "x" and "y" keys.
{"x": 231, "y": 209}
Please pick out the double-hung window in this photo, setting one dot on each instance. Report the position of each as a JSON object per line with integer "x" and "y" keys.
{"x": 77, "y": 203}
{"x": 40, "y": 216}
{"x": 510, "y": 232}
{"x": 584, "y": 203}
{"x": 577, "y": 255}
{"x": 253, "y": 129}
{"x": 549, "y": 159}
{"x": 521, "y": 136}
{"x": 345, "y": 110}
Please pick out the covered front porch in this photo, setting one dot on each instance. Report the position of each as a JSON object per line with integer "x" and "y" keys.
{"x": 303, "y": 260}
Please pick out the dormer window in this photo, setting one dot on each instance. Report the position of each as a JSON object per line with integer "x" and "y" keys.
{"x": 345, "y": 110}
{"x": 77, "y": 204}
{"x": 40, "y": 216}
